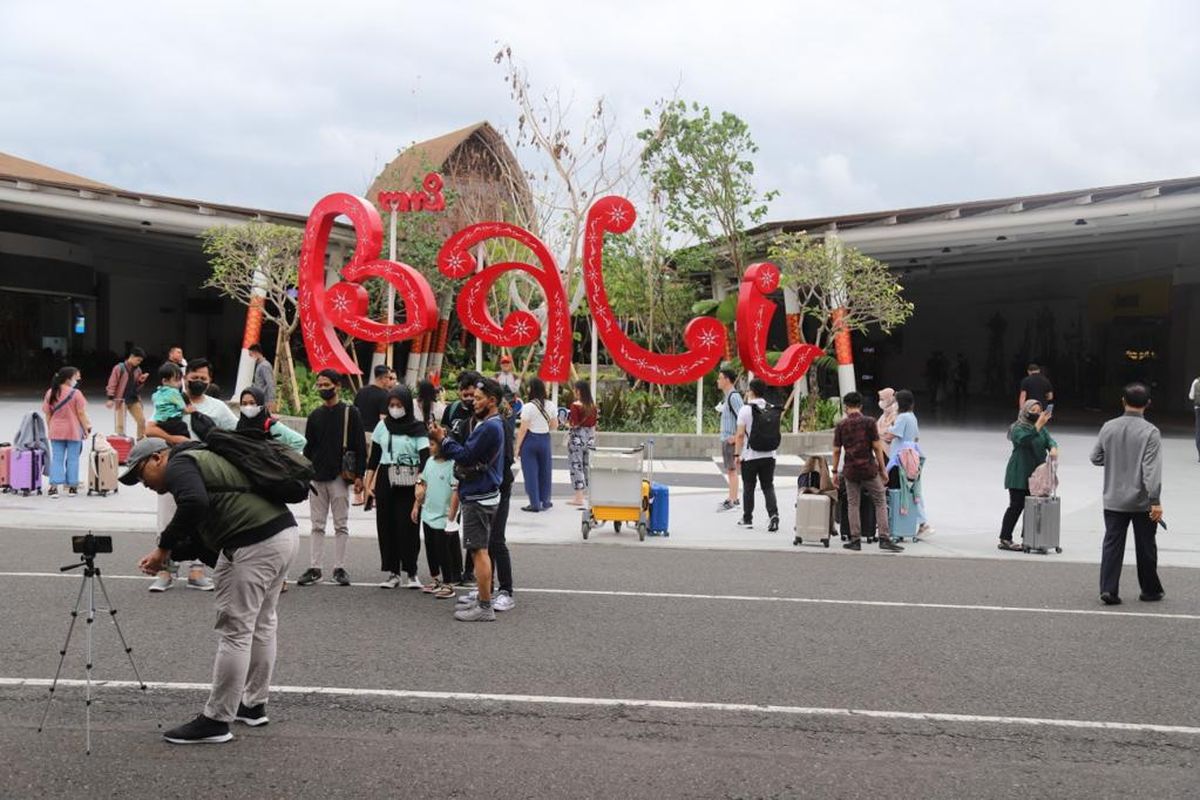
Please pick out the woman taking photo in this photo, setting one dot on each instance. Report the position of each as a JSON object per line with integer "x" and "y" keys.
{"x": 533, "y": 445}
{"x": 1030, "y": 446}
{"x": 67, "y": 423}
{"x": 399, "y": 449}
{"x": 581, "y": 437}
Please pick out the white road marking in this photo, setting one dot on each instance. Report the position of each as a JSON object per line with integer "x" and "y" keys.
{"x": 663, "y": 705}
{"x": 1087, "y": 612}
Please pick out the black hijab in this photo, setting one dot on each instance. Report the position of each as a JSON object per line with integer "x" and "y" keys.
{"x": 408, "y": 425}
{"x": 263, "y": 421}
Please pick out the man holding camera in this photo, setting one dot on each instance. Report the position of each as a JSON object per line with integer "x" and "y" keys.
{"x": 479, "y": 464}
{"x": 251, "y": 541}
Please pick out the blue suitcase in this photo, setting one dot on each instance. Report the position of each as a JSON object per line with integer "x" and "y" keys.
{"x": 660, "y": 510}
{"x": 902, "y": 526}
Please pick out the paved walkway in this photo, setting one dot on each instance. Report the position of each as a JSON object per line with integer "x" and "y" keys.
{"x": 963, "y": 484}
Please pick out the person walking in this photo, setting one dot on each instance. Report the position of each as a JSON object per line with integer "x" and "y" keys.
{"x": 256, "y": 417}
{"x": 581, "y": 438}
{"x": 67, "y": 425}
{"x": 1194, "y": 396}
{"x": 1035, "y": 386}
{"x": 264, "y": 377}
{"x": 337, "y": 449}
{"x": 857, "y": 438}
{"x": 399, "y": 450}
{"x": 731, "y": 405}
{"x": 121, "y": 391}
{"x": 481, "y": 467}
{"x": 756, "y": 441}
{"x": 533, "y": 446}
{"x": 197, "y": 381}
{"x": 1031, "y": 444}
{"x": 251, "y": 542}
{"x": 1130, "y": 450}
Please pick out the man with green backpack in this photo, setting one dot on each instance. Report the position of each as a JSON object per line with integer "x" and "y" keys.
{"x": 241, "y": 526}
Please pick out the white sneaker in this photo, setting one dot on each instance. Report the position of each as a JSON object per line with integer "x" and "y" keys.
{"x": 468, "y": 599}
{"x": 503, "y": 601}
{"x": 201, "y": 582}
{"x": 392, "y": 582}
{"x": 412, "y": 582}
{"x": 926, "y": 530}
{"x": 162, "y": 582}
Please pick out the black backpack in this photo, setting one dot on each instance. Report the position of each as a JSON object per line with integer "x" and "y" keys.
{"x": 764, "y": 432}
{"x": 277, "y": 472}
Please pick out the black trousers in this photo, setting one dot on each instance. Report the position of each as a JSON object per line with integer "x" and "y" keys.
{"x": 399, "y": 536}
{"x": 498, "y": 545}
{"x": 1016, "y": 505}
{"x": 755, "y": 471}
{"x": 1116, "y": 526}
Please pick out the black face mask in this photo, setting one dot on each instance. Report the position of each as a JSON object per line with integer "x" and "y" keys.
{"x": 196, "y": 388}
{"x": 327, "y": 394}
{"x": 1032, "y": 417}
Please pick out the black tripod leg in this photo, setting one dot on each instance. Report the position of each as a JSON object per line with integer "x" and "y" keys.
{"x": 62, "y": 654}
{"x": 112, "y": 612}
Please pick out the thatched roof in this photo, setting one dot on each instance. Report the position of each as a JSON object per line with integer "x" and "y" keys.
{"x": 21, "y": 169}
{"x": 478, "y": 168}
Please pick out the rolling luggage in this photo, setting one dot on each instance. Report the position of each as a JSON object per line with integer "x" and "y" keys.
{"x": 866, "y": 509}
{"x": 1042, "y": 520}
{"x": 814, "y": 518}
{"x": 122, "y": 444}
{"x": 5, "y": 461}
{"x": 902, "y": 526}
{"x": 660, "y": 510}
{"x": 102, "y": 468}
{"x": 25, "y": 471}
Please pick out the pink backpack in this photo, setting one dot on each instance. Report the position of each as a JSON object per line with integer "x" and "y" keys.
{"x": 1044, "y": 480}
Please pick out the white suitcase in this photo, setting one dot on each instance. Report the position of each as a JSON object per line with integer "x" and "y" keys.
{"x": 814, "y": 518}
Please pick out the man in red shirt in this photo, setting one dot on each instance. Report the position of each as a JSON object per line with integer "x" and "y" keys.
{"x": 857, "y": 437}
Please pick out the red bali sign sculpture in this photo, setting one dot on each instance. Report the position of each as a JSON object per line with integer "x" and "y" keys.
{"x": 343, "y": 306}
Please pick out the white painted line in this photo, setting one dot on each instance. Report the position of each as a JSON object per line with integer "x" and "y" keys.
{"x": 662, "y": 705}
{"x": 1086, "y": 612}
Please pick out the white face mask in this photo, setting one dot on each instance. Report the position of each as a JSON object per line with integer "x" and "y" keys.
{"x": 73, "y": 382}
{"x": 396, "y": 412}
{"x": 251, "y": 412}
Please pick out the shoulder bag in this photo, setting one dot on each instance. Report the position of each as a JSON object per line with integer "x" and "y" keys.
{"x": 349, "y": 458}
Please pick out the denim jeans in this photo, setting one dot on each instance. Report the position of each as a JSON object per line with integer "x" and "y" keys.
{"x": 535, "y": 469}
{"x": 64, "y": 462}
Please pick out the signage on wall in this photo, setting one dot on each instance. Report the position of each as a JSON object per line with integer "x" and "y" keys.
{"x": 343, "y": 306}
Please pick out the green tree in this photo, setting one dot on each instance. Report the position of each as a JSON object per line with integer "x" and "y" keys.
{"x": 256, "y": 264}
{"x": 701, "y": 164}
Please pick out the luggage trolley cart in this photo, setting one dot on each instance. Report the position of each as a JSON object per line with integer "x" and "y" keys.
{"x": 619, "y": 488}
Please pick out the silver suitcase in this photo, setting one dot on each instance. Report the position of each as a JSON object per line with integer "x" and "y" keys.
{"x": 1040, "y": 525}
{"x": 814, "y": 519}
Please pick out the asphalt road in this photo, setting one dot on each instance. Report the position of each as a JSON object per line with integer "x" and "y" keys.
{"x": 980, "y": 640}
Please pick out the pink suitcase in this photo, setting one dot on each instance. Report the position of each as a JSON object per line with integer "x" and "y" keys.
{"x": 5, "y": 458}
{"x": 25, "y": 471}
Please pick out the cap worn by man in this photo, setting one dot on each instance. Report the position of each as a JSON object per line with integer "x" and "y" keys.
{"x": 137, "y": 456}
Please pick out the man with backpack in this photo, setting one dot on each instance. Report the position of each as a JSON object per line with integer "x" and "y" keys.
{"x": 755, "y": 444}
{"x": 731, "y": 404}
{"x": 226, "y": 519}
{"x": 121, "y": 393}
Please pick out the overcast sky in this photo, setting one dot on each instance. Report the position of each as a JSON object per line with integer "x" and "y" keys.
{"x": 856, "y": 106}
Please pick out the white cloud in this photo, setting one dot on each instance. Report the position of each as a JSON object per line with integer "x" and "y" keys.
{"x": 856, "y": 106}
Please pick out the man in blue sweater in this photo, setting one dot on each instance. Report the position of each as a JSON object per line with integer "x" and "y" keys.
{"x": 479, "y": 465}
{"x": 1130, "y": 450}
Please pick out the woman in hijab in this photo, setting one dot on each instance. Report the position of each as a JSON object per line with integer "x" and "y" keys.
{"x": 399, "y": 449}
{"x": 887, "y": 415}
{"x": 255, "y": 417}
{"x": 1030, "y": 446}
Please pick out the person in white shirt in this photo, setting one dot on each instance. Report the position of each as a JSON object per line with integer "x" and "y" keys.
{"x": 196, "y": 382}
{"x": 533, "y": 448}
{"x": 1194, "y": 396}
{"x": 757, "y": 466}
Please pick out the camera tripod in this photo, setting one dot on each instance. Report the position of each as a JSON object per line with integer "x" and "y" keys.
{"x": 91, "y": 579}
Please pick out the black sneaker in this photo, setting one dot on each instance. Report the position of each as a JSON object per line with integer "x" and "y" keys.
{"x": 890, "y": 546}
{"x": 1151, "y": 597}
{"x": 855, "y": 545}
{"x": 1109, "y": 599}
{"x": 774, "y": 525}
{"x": 201, "y": 730}
{"x": 341, "y": 577}
{"x": 745, "y": 523}
{"x": 311, "y": 575}
{"x": 252, "y": 715}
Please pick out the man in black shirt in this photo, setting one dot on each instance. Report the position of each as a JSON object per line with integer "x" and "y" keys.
{"x": 371, "y": 402}
{"x": 337, "y": 449}
{"x": 1035, "y": 386}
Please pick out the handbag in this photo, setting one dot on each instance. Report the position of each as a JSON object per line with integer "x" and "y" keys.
{"x": 400, "y": 474}
{"x": 349, "y": 457}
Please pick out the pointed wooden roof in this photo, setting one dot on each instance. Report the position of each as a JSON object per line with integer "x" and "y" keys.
{"x": 22, "y": 169}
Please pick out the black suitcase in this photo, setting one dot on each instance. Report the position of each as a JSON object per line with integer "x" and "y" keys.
{"x": 866, "y": 509}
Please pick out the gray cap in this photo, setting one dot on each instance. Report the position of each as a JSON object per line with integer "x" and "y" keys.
{"x": 140, "y": 452}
